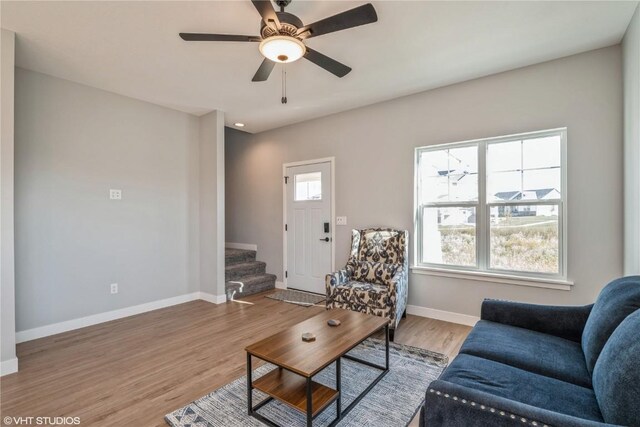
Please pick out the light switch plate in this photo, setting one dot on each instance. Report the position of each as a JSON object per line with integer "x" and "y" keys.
{"x": 341, "y": 220}
{"x": 115, "y": 194}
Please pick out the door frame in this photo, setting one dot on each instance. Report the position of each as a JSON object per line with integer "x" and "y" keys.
{"x": 332, "y": 165}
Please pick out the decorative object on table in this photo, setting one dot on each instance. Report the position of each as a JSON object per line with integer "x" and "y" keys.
{"x": 306, "y": 299}
{"x": 333, "y": 322}
{"x": 411, "y": 370}
{"x": 308, "y": 337}
{"x": 375, "y": 279}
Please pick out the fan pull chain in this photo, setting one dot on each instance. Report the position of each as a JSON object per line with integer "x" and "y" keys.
{"x": 284, "y": 84}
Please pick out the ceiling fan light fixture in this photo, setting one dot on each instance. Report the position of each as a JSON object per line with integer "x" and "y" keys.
{"x": 282, "y": 49}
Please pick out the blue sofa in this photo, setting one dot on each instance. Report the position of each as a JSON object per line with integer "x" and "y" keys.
{"x": 535, "y": 365}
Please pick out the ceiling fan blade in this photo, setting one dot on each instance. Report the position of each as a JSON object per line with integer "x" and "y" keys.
{"x": 263, "y": 71}
{"x": 361, "y": 15}
{"x": 331, "y": 65}
{"x": 268, "y": 13}
{"x": 218, "y": 37}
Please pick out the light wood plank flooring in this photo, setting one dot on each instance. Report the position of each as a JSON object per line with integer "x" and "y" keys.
{"x": 133, "y": 371}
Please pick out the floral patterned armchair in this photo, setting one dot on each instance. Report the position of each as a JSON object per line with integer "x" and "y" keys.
{"x": 375, "y": 279}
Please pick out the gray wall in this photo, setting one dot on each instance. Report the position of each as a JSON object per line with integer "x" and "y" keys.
{"x": 631, "y": 73}
{"x": 74, "y": 143}
{"x": 7, "y": 270}
{"x": 374, "y": 149}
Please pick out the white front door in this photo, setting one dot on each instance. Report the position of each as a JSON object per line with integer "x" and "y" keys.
{"x": 308, "y": 226}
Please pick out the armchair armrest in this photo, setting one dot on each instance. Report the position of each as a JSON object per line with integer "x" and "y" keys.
{"x": 449, "y": 404}
{"x": 562, "y": 321}
{"x": 336, "y": 278}
{"x": 397, "y": 294}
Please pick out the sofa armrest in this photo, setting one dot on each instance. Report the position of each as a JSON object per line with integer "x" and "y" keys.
{"x": 562, "y": 321}
{"x": 448, "y": 404}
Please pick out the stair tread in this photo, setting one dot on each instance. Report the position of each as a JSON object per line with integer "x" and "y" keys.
{"x": 246, "y": 264}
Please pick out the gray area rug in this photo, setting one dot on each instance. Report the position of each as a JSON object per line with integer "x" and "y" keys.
{"x": 394, "y": 401}
{"x": 297, "y": 297}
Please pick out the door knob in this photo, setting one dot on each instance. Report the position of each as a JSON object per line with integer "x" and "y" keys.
{"x": 326, "y": 239}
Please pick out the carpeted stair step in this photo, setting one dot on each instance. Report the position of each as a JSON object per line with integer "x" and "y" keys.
{"x": 238, "y": 256}
{"x": 237, "y": 271}
{"x": 250, "y": 285}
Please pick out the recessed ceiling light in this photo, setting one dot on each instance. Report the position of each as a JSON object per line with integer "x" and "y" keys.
{"x": 240, "y": 125}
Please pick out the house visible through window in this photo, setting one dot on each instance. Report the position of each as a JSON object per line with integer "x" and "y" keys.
{"x": 493, "y": 205}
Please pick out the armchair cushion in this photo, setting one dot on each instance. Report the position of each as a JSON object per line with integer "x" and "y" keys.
{"x": 382, "y": 245}
{"x": 533, "y": 351}
{"x": 374, "y": 272}
{"x": 521, "y": 386}
{"x": 616, "y": 301}
{"x": 360, "y": 296}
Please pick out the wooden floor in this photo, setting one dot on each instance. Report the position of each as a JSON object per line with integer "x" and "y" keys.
{"x": 133, "y": 371}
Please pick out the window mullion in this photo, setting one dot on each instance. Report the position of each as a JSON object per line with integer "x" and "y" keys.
{"x": 482, "y": 215}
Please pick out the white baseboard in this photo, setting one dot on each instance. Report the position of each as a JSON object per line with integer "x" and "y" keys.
{"x": 280, "y": 285}
{"x": 245, "y": 246}
{"x": 215, "y": 299}
{"x": 69, "y": 325}
{"x": 9, "y": 366}
{"x": 447, "y": 316}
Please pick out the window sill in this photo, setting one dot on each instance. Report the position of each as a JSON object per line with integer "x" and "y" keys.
{"x": 562, "y": 285}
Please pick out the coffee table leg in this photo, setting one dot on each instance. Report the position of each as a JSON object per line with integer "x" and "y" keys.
{"x": 386, "y": 334}
{"x": 249, "y": 386}
{"x": 338, "y": 388}
{"x": 309, "y": 404}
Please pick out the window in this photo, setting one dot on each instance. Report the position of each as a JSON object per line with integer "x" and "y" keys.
{"x": 308, "y": 186}
{"x": 493, "y": 205}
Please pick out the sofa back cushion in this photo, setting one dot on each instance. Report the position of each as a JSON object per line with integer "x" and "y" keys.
{"x": 616, "y": 301}
{"x": 374, "y": 272}
{"x": 616, "y": 377}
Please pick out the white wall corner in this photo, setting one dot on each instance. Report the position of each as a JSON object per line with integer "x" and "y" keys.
{"x": 446, "y": 316}
{"x": 214, "y": 299}
{"x": 8, "y": 366}
{"x": 280, "y": 285}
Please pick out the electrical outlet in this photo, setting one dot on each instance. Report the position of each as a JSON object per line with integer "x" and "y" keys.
{"x": 115, "y": 194}
{"x": 114, "y": 288}
{"x": 341, "y": 220}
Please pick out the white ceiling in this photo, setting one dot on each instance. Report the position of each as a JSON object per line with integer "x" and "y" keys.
{"x": 133, "y": 48}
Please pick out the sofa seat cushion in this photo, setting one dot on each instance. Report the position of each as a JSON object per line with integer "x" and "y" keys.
{"x": 522, "y": 386}
{"x": 356, "y": 293}
{"x": 529, "y": 350}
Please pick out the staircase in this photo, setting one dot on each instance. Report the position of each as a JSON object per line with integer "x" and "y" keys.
{"x": 244, "y": 275}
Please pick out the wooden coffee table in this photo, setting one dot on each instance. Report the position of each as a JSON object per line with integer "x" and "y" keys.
{"x": 298, "y": 362}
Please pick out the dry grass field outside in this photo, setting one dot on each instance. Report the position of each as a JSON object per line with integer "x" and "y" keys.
{"x": 528, "y": 243}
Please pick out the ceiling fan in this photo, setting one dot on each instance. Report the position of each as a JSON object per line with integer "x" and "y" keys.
{"x": 282, "y": 36}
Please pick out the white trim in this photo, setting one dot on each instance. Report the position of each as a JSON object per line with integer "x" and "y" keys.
{"x": 69, "y": 325}
{"x": 447, "y": 316}
{"x": 9, "y": 366}
{"x": 561, "y": 285}
{"x": 245, "y": 246}
{"x": 280, "y": 285}
{"x": 215, "y": 299}
{"x": 332, "y": 163}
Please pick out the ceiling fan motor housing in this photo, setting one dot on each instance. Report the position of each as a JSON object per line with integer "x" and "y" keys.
{"x": 289, "y": 24}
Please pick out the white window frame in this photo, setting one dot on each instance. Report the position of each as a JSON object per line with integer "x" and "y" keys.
{"x": 482, "y": 269}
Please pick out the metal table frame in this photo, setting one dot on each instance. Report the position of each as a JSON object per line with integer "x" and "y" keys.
{"x": 252, "y": 410}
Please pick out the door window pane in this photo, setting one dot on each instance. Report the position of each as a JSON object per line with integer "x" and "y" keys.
{"x": 308, "y": 186}
{"x": 525, "y": 238}
{"x": 449, "y": 236}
